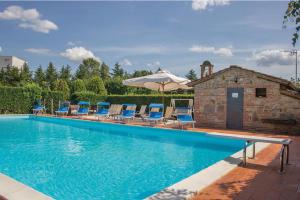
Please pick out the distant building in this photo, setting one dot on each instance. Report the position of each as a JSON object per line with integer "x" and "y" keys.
{"x": 11, "y": 61}
{"x": 239, "y": 98}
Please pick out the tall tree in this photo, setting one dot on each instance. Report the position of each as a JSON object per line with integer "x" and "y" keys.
{"x": 292, "y": 14}
{"x": 39, "y": 76}
{"x": 65, "y": 73}
{"x": 118, "y": 71}
{"x": 88, "y": 68}
{"x": 51, "y": 75}
{"x": 12, "y": 76}
{"x": 2, "y": 75}
{"x": 25, "y": 74}
{"x": 191, "y": 75}
{"x": 104, "y": 72}
{"x": 96, "y": 85}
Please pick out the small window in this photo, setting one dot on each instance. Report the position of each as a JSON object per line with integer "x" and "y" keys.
{"x": 261, "y": 92}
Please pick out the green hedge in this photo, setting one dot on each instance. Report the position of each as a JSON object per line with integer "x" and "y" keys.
{"x": 87, "y": 96}
{"x": 20, "y": 100}
{"x": 145, "y": 99}
{"x": 17, "y": 100}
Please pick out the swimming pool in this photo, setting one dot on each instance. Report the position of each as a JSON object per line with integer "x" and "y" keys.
{"x": 74, "y": 159}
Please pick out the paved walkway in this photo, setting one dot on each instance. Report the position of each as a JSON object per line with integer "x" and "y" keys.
{"x": 260, "y": 179}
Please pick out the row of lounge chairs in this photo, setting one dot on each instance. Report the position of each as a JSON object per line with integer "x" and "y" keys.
{"x": 157, "y": 113}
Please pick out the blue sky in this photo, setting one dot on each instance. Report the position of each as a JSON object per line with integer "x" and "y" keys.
{"x": 177, "y": 36}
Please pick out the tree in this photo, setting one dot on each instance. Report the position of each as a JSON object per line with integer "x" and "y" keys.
{"x": 25, "y": 74}
{"x": 292, "y": 14}
{"x": 62, "y": 86}
{"x": 191, "y": 75}
{"x": 139, "y": 73}
{"x": 88, "y": 68}
{"x": 39, "y": 76}
{"x": 2, "y": 76}
{"x": 51, "y": 75}
{"x": 96, "y": 85}
{"x": 12, "y": 76}
{"x": 65, "y": 73}
{"x": 78, "y": 86}
{"x": 115, "y": 86}
{"x": 118, "y": 71}
{"x": 104, "y": 72}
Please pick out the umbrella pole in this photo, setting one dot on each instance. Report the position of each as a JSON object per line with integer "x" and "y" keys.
{"x": 163, "y": 94}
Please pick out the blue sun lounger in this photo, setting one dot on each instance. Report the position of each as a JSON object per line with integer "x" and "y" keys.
{"x": 155, "y": 116}
{"x": 185, "y": 119}
{"x": 63, "y": 109}
{"x": 102, "y": 109}
{"x": 128, "y": 112}
{"x": 83, "y": 108}
{"x": 38, "y": 108}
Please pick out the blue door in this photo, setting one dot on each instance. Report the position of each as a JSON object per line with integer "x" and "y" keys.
{"x": 235, "y": 104}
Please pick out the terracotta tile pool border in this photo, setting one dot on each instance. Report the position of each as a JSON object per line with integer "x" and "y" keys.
{"x": 183, "y": 189}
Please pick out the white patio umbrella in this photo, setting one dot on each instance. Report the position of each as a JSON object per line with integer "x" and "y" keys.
{"x": 160, "y": 81}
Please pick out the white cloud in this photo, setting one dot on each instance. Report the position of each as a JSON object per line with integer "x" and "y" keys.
{"x": 29, "y": 19}
{"x": 78, "y": 54}
{"x": 272, "y": 57}
{"x": 41, "y": 51}
{"x": 203, "y": 4}
{"x": 224, "y": 51}
{"x": 125, "y": 62}
{"x": 0, "y": 48}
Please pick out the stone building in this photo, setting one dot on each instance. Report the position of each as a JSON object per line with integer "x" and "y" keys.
{"x": 238, "y": 98}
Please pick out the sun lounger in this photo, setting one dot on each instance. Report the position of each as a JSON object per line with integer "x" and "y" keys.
{"x": 142, "y": 111}
{"x": 156, "y": 113}
{"x": 115, "y": 110}
{"x": 128, "y": 111}
{"x": 102, "y": 109}
{"x": 63, "y": 109}
{"x": 83, "y": 108}
{"x": 38, "y": 108}
{"x": 185, "y": 119}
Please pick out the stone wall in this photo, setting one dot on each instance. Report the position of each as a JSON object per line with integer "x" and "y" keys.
{"x": 211, "y": 107}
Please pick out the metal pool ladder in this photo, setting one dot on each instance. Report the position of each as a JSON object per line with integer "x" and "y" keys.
{"x": 284, "y": 152}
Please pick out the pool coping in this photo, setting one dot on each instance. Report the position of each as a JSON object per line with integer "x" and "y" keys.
{"x": 14, "y": 190}
{"x": 183, "y": 189}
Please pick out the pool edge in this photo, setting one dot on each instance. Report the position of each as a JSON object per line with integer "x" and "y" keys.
{"x": 189, "y": 186}
{"x": 13, "y": 189}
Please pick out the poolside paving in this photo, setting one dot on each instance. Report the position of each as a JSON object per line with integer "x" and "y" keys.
{"x": 260, "y": 179}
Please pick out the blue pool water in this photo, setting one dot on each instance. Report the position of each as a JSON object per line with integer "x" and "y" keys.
{"x": 72, "y": 159}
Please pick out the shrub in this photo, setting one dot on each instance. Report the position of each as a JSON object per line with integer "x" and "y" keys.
{"x": 62, "y": 86}
{"x": 115, "y": 86}
{"x": 78, "y": 86}
{"x": 96, "y": 85}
